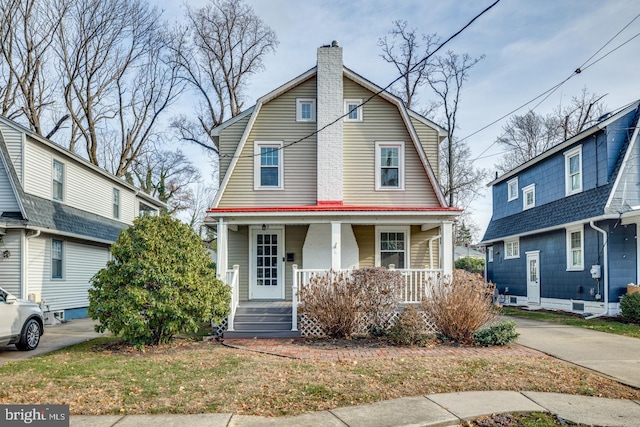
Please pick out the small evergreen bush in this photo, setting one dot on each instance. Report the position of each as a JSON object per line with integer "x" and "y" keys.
{"x": 409, "y": 328}
{"x": 630, "y": 307}
{"x": 499, "y": 333}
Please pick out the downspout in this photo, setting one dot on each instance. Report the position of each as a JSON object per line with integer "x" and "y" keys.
{"x": 24, "y": 288}
{"x": 430, "y": 241}
{"x": 605, "y": 271}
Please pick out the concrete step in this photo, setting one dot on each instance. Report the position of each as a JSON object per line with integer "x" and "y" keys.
{"x": 261, "y": 334}
{"x": 261, "y": 326}
{"x": 241, "y": 310}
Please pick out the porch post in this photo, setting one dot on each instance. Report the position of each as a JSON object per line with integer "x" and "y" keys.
{"x": 294, "y": 299}
{"x": 336, "y": 245}
{"x": 447, "y": 248}
{"x": 222, "y": 259}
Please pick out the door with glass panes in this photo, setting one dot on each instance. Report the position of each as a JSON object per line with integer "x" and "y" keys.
{"x": 267, "y": 275}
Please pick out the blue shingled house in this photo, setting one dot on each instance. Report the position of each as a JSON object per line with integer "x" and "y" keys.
{"x": 563, "y": 234}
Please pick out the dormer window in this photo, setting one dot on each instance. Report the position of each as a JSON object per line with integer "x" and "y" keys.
{"x": 512, "y": 189}
{"x": 58, "y": 180}
{"x": 529, "y": 196}
{"x": 305, "y": 110}
{"x": 573, "y": 171}
{"x": 353, "y": 110}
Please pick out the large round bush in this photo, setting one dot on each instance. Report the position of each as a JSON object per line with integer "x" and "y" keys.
{"x": 630, "y": 307}
{"x": 160, "y": 282}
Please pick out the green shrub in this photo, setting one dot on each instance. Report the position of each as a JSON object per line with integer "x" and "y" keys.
{"x": 458, "y": 306}
{"x": 499, "y": 333}
{"x": 409, "y": 328}
{"x": 159, "y": 283}
{"x": 473, "y": 265}
{"x": 630, "y": 307}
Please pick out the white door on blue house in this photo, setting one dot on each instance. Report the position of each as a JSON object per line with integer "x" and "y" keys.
{"x": 266, "y": 263}
{"x": 533, "y": 277}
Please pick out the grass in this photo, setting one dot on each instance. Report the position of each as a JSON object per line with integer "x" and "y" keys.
{"x": 534, "y": 419}
{"x": 103, "y": 377}
{"x": 599, "y": 324}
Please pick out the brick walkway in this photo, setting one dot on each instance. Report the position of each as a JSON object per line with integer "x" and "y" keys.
{"x": 288, "y": 348}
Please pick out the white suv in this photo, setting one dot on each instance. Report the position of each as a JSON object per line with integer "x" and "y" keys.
{"x": 21, "y": 322}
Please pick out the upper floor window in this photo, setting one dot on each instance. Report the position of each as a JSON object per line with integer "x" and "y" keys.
{"x": 305, "y": 110}
{"x": 353, "y": 108}
{"x": 529, "y": 196}
{"x": 512, "y": 249}
{"x": 116, "y": 203}
{"x": 573, "y": 171}
{"x": 146, "y": 210}
{"x": 268, "y": 168}
{"x": 56, "y": 259}
{"x": 575, "y": 248}
{"x": 389, "y": 160}
{"x": 392, "y": 245}
{"x": 512, "y": 189}
{"x": 58, "y": 180}
{"x": 490, "y": 254}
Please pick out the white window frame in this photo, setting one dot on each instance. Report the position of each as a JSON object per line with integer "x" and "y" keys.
{"x": 378, "y": 156}
{"x": 407, "y": 242}
{"x": 358, "y": 110}
{"x": 509, "y": 248}
{"x": 54, "y": 181}
{"x": 306, "y": 101}
{"x": 277, "y": 145}
{"x": 62, "y": 251}
{"x": 512, "y": 195}
{"x": 116, "y": 203}
{"x": 570, "y": 265}
{"x": 529, "y": 189}
{"x": 567, "y": 174}
{"x": 490, "y": 254}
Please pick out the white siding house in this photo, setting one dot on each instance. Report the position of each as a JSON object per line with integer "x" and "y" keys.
{"x": 59, "y": 214}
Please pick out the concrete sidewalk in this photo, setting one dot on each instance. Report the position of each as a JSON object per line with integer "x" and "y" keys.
{"x": 615, "y": 356}
{"x": 55, "y": 337}
{"x": 433, "y": 410}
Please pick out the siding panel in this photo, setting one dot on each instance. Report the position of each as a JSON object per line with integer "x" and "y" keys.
{"x": 13, "y": 140}
{"x": 10, "y": 274}
{"x": 365, "y": 236}
{"x": 238, "y": 242}
{"x": 421, "y": 254}
{"x": 229, "y": 140}
{"x": 8, "y": 201}
{"x": 294, "y": 236}
{"x": 430, "y": 143}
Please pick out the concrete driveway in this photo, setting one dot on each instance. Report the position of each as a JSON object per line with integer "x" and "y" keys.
{"x": 615, "y": 356}
{"x": 55, "y": 337}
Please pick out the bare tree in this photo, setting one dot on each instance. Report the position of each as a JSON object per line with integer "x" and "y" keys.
{"x": 117, "y": 79}
{"x": 225, "y": 44}
{"x": 28, "y": 83}
{"x": 582, "y": 111}
{"x": 201, "y": 201}
{"x": 467, "y": 180}
{"x": 168, "y": 176}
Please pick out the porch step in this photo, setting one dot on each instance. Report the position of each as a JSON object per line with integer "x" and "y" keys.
{"x": 262, "y": 320}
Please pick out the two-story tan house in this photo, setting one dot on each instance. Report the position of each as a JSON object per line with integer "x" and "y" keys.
{"x": 59, "y": 214}
{"x": 328, "y": 171}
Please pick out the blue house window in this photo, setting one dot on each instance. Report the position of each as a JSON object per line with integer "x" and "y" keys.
{"x": 573, "y": 171}
{"x": 512, "y": 249}
{"x": 528, "y": 196}
{"x": 575, "y": 248}
{"x": 512, "y": 189}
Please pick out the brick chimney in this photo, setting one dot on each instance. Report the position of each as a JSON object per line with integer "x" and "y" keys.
{"x": 330, "y": 106}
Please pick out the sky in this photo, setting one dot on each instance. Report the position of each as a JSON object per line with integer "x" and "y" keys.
{"x": 528, "y": 47}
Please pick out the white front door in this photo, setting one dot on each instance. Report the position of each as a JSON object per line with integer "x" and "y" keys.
{"x": 266, "y": 263}
{"x": 533, "y": 277}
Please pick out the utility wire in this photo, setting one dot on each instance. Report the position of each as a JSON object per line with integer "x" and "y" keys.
{"x": 551, "y": 90}
{"x": 378, "y": 92}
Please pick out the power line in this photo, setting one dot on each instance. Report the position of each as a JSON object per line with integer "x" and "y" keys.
{"x": 378, "y": 92}
{"x": 551, "y": 90}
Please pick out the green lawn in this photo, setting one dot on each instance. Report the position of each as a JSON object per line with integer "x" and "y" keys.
{"x": 599, "y": 324}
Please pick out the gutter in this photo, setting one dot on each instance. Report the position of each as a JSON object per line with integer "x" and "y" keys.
{"x": 605, "y": 271}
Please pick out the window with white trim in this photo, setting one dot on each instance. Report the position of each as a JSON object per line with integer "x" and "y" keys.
{"x": 573, "y": 171}
{"x": 58, "y": 180}
{"x": 512, "y": 249}
{"x": 512, "y": 189}
{"x": 268, "y": 165}
{"x": 490, "y": 254}
{"x": 529, "y": 196}
{"x": 116, "y": 203}
{"x": 575, "y": 248}
{"x": 354, "y": 109}
{"x": 305, "y": 110}
{"x": 392, "y": 246}
{"x": 56, "y": 259}
{"x": 389, "y": 160}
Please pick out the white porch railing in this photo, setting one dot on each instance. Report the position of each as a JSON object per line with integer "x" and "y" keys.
{"x": 413, "y": 290}
{"x": 232, "y": 279}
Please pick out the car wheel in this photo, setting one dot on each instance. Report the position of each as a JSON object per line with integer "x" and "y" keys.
{"x": 30, "y": 337}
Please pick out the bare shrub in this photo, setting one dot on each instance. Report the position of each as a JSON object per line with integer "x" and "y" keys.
{"x": 333, "y": 300}
{"x": 459, "y": 306}
{"x": 409, "y": 328}
{"x": 379, "y": 295}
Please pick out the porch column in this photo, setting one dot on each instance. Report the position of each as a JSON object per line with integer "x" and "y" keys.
{"x": 447, "y": 247}
{"x": 222, "y": 253}
{"x": 336, "y": 245}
